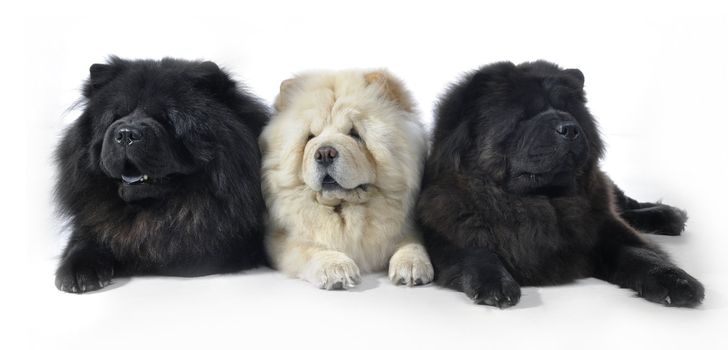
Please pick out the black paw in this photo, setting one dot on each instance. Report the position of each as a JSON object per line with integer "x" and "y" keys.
{"x": 661, "y": 219}
{"x": 500, "y": 291}
{"x": 75, "y": 277}
{"x": 672, "y": 286}
{"x": 671, "y": 221}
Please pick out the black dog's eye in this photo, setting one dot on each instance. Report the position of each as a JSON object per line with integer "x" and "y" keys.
{"x": 167, "y": 120}
{"x": 354, "y": 134}
{"x": 310, "y": 136}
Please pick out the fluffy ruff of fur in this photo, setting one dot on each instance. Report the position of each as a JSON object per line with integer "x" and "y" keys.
{"x": 513, "y": 195}
{"x": 160, "y": 174}
{"x": 342, "y": 163}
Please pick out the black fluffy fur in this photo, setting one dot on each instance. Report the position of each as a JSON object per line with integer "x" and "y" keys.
{"x": 194, "y": 134}
{"x": 513, "y": 195}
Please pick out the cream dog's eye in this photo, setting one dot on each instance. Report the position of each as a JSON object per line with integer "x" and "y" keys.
{"x": 354, "y": 134}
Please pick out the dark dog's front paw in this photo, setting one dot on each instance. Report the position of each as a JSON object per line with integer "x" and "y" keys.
{"x": 661, "y": 219}
{"x": 671, "y": 221}
{"x": 673, "y": 287}
{"x": 500, "y": 291}
{"x": 74, "y": 277}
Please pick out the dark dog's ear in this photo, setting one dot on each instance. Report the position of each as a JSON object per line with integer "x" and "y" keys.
{"x": 449, "y": 149}
{"x": 576, "y": 75}
{"x": 210, "y": 78}
{"x": 101, "y": 74}
{"x": 207, "y": 71}
{"x": 208, "y": 75}
{"x": 391, "y": 88}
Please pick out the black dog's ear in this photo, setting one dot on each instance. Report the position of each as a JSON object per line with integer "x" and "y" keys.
{"x": 575, "y": 75}
{"x": 101, "y": 74}
{"x": 449, "y": 149}
{"x": 208, "y": 75}
{"x": 208, "y": 69}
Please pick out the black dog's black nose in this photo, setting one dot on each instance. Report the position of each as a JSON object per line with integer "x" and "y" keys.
{"x": 127, "y": 135}
{"x": 325, "y": 155}
{"x": 568, "y": 130}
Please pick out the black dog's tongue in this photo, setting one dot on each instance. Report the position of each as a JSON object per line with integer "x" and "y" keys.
{"x": 132, "y": 179}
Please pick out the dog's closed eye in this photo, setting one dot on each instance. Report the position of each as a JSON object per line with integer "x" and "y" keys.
{"x": 354, "y": 134}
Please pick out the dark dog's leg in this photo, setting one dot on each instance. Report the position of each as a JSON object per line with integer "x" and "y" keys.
{"x": 629, "y": 262}
{"x": 654, "y": 218}
{"x": 478, "y": 273}
{"x": 85, "y": 266}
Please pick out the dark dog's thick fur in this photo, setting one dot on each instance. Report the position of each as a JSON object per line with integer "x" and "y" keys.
{"x": 160, "y": 174}
{"x": 513, "y": 194}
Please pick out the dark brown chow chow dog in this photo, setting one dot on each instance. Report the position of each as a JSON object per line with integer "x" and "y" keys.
{"x": 513, "y": 194}
{"x": 160, "y": 174}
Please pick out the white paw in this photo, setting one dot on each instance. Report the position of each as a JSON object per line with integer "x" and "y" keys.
{"x": 333, "y": 270}
{"x": 411, "y": 267}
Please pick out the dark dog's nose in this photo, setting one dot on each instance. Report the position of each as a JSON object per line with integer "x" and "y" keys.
{"x": 127, "y": 135}
{"x": 568, "y": 130}
{"x": 325, "y": 155}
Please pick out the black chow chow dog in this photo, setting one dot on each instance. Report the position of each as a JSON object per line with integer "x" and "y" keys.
{"x": 513, "y": 194}
{"x": 160, "y": 174}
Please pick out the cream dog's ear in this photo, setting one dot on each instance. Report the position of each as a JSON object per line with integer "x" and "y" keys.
{"x": 284, "y": 95}
{"x": 391, "y": 87}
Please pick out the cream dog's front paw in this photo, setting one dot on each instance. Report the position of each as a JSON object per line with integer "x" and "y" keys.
{"x": 333, "y": 270}
{"x": 410, "y": 265}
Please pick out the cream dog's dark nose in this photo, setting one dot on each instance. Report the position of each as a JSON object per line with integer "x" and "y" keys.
{"x": 325, "y": 155}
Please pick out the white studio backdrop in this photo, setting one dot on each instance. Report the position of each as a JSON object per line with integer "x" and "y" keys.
{"x": 656, "y": 79}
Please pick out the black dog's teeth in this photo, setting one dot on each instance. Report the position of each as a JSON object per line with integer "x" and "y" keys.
{"x": 135, "y": 179}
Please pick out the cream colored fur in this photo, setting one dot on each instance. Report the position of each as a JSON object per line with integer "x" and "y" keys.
{"x": 331, "y": 237}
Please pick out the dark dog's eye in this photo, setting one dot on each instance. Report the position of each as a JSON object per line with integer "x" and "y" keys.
{"x": 310, "y": 136}
{"x": 354, "y": 134}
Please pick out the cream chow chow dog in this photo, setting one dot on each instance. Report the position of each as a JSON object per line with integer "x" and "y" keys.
{"x": 342, "y": 160}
